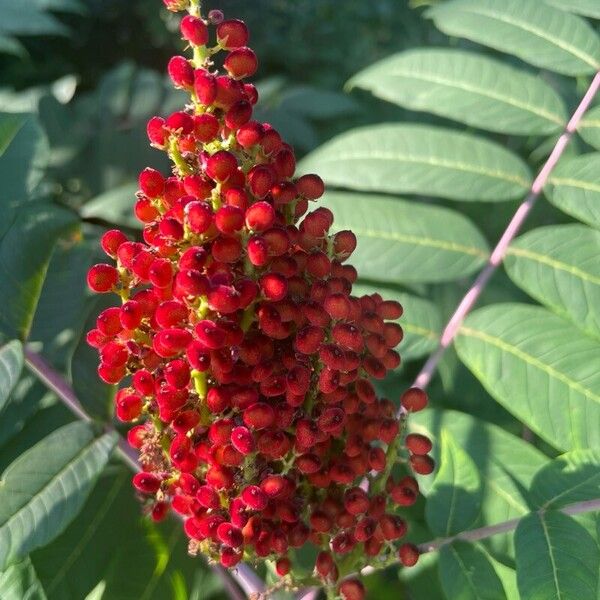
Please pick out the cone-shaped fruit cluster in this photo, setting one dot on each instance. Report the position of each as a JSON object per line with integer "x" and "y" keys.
{"x": 240, "y": 347}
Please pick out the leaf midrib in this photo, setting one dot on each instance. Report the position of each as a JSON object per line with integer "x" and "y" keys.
{"x": 467, "y": 574}
{"x": 414, "y": 240}
{"x": 554, "y": 263}
{"x": 437, "y": 162}
{"x": 575, "y": 183}
{"x": 421, "y": 331}
{"x": 551, "y": 555}
{"x": 485, "y": 92}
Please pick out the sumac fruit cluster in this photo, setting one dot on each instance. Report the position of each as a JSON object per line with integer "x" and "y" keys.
{"x": 243, "y": 357}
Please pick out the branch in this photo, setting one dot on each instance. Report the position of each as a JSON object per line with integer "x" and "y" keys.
{"x": 243, "y": 574}
{"x": 424, "y": 377}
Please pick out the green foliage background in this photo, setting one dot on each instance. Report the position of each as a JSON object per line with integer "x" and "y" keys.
{"x": 515, "y": 407}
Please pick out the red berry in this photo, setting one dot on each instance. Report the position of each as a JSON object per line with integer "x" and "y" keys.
{"x": 128, "y": 406}
{"x": 356, "y": 501}
{"x": 221, "y": 166}
{"x": 102, "y": 278}
{"x": 152, "y": 183}
{"x": 147, "y": 483}
{"x": 230, "y": 535}
{"x": 239, "y": 114}
{"x": 423, "y": 465}
{"x": 273, "y": 286}
{"x": 206, "y": 127}
{"x": 414, "y": 399}
{"x": 181, "y": 73}
{"x": 259, "y": 416}
{"x": 199, "y": 216}
{"x": 232, "y": 34}
{"x": 131, "y": 314}
{"x": 194, "y": 30}
{"x": 418, "y": 444}
{"x": 241, "y": 62}
{"x": 283, "y": 566}
{"x": 250, "y": 134}
{"x": 310, "y": 186}
{"x": 254, "y": 498}
{"x": 408, "y": 554}
{"x": 111, "y": 241}
{"x": 205, "y": 87}
{"x": 229, "y": 219}
{"x": 324, "y": 565}
{"x": 230, "y": 557}
{"x": 352, "y": 589}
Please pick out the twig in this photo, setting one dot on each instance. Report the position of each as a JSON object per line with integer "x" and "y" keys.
{"x": 424, "y": 377}
{"x": 244, "y": 575}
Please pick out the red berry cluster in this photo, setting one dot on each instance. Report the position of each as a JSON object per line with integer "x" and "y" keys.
{"x": 244, "y": 353}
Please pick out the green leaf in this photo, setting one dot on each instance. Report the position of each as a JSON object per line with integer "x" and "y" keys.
{"x": 9, "y": 45}
{"x": 420, "y": 159}
{"x": 20, "y": 582}
{"x": 533, "y": 31}
{"x": 506, "y": 464}
{"x": 407, "y": 241}
{"x": 19, "y": 21}
{"x": 421, "y": 320}
{"x": 558, "y": 265}
{"x": 25, "y": 399}
{"x": 24, "y": 154}
{"x": 466, "y": 573}
{"x": 572, "y": 477}
{"x": 61, "y": 310}
{"x": 587, "y": 8}
{"x": 556, "y": 558}
{"x": 574, "y": 187}
{"x": 44, "y": 489}
{"x": 114, "y": 206}
{"x": 315, "y": 103}
{"x": 589, "y": 127}
{"x": 72, "y": 6}
{"x": 25, "y": 248}
{"x": 466, "y": 87}
{"x": 112, "y": 544}
{"x": 95, "y": 395}
{"x": 454, "y": 501}
{"x": 540, "y": 368}
{"x": 11, "y": 364}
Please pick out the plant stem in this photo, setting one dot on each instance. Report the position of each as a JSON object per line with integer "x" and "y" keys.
{"x": 424, "y": 377}
{"x": 244, "y": 575}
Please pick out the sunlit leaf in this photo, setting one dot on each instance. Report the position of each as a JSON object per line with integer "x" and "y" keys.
{"x": 558, "y": 265}
{"x": 540, "y": 368}
{"x": 466, "y": 87}
{"x": 574, "y": 187}
{"x": 530, "y": 29}
{"x": 419, "y": 159}
{"x": 400, "y": 241}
